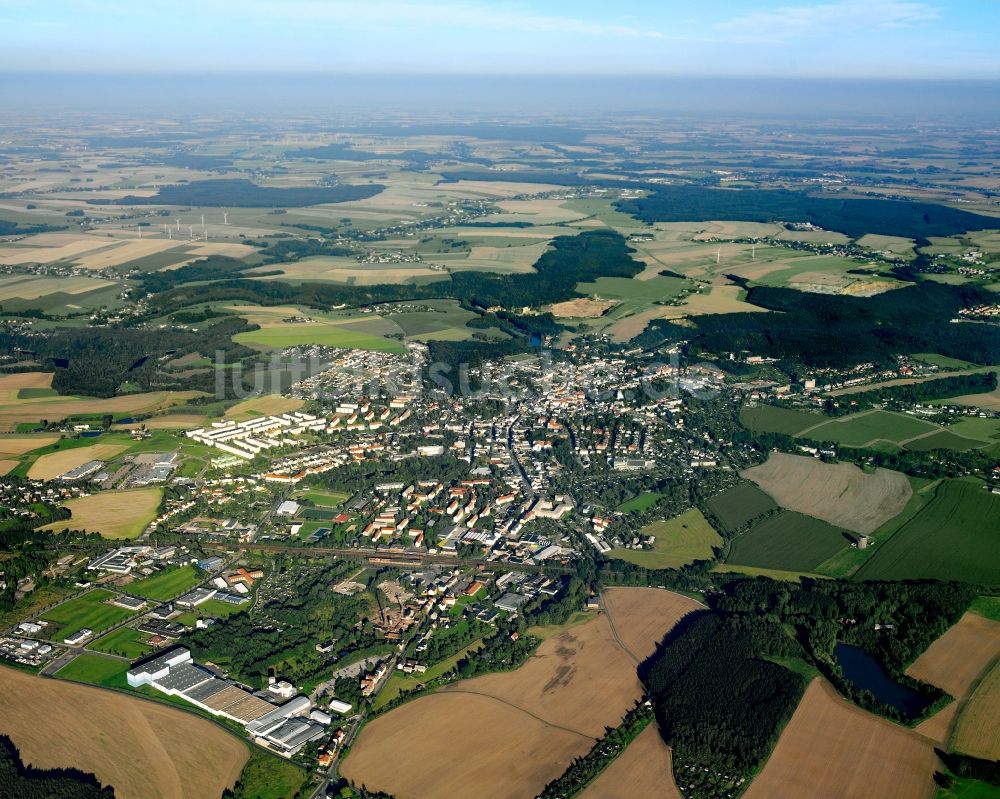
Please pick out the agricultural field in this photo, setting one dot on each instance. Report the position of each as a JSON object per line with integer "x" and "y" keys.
{"x": 868, "y": 427}
{"x": 978, "y": 730}
{"x": 740, "y": 505}
{"x": 143, "y": 749}
{"x": 643, "y": 771}
{"x": 265, "y": 405}
{"x": 681, "y": 540}
{"x": 14, "y": 446}
{"x": 167, "y": 584}
{"x": 953, "y": 537}
{"x": 113, "y": 514}
{"x": 789, "y": 541}
{"x": 841, "y": 494}
{"x": 957, "y": 659}
{"x": 92, "y": 610}
{"x": 15, "y": 411}
{"x": 276, "y": 333}
{"x": 507, "y": 734}
{"x": 53, "y": 464}
{"x": 771, "y": 419}
{"x": 834, "y": 750}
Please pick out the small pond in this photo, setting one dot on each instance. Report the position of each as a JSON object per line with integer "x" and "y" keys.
{"x": 864, "y": 671}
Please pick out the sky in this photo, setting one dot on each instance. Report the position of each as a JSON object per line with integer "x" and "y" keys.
{"x": 893, "y": 39}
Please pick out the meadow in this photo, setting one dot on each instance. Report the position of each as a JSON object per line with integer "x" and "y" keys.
{"x": 868, "y": 427}
{"x": 788, "y": 541}
{"x": 143, "y": 749}
{"x": 124, "y": 642}
{"x": 772, "y": 419}
{"x": 953, "y": 537}
{"x": 740, "y": 505}
{"x": 92, "y": 611}
{"x": 681, "y": 540}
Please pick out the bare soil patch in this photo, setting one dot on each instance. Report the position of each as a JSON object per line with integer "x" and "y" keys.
{"x": 643, "y": 771}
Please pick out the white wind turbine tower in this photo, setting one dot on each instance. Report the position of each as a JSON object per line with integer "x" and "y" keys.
{"x": 718, "y": 255}
{"x": 202, "y": 223}
{"x": 225, "y": 218}
{"x": 178, "y": 224}
{"x": 190, "y": 231}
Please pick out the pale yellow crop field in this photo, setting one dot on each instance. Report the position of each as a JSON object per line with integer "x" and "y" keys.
{"x": 53, "y": 464}
{"x": 19, "y": 445}
{"x": 55, "y": 247}
{"x": 31, "y": 287}
{"x": 125, "y": 251}
{"x": 113, "y": 514}
{"x": 14, "y": 411}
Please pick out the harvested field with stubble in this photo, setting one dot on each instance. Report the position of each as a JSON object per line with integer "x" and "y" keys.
{"x": 643, "y": 771}
{"x": 585, "y": 308}
{"x": 19, "y": 445}
{"x": 978, "y": 729}
{"x": 956, "y": 660}
{"x": 144, "y": 750}
{"x": 507, "y": 734}
{"x": 113, "y": 514}
{"x": 840, "y": 493}
{"x": 52, "y": 464}
{"x": 833, "y": 750}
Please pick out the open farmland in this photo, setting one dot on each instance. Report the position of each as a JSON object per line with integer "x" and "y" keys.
{"x": 507, "y": 734}
{"x": 265, "y": 405}
{"x": 113, "y": 514}
{"x": 840, "y": 494}
{"x": 833, "y": 750}
{"x": 955, "y": 662}
{"x": 643, "y": 771}
{"x": 124, "y": 642}
{"x": 740, "y": 505}
{"x": 866, "y": 428}
{"x": 145, "y": 750}
{"x": 91, "y": 611}
{"x": 34, "y": 410}
{"x": 789, "y": 541}
{"x": 771, "y": 419}
{"x": 13, "y": 446}
{"x": 52, "y": 464}
{"x": 954, "y": 537}
{"x": 683, "y": 539}
{"x": 978, "y": 729}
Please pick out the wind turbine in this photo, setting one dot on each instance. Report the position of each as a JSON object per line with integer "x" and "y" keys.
{"x": 718, "y": 255}
{"x": 203, "y": 222}
{"x": 753, "y": 252}
{"x": 178, "y": 224}
{"x": 190, "y": 231}
{"x": 225, "y": 218}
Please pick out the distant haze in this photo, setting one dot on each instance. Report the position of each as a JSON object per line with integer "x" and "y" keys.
{"x": 335, "y": 95}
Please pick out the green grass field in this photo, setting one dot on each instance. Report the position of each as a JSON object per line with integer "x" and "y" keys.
{"x": 657, "y": 289}
{"x": 739, "y": 505}
{"x": 293, "y": 335}
{"x": 944, "y": 439}
{"x": 988, "y": 606}
{"x": 954, "y": 537}
{"x": 270, "y": 777}
{"x": 858, "y": 429}
{"x": 968, "y": 788}
{"x": 166, "y": 585}
{"x": 125, "y": 642}
{"x": 681, "y": 540}
{"x": 789, "y": 541}
{"x": 771, "y": 419}
{"x": 641, "y": 502}
{"x": 324, "y": 499}
{"x": 90, "y": 610}
{"x": 95, "y": 670}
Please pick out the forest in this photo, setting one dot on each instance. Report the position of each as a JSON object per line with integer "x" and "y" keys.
{"x": 852, "y": 216}
{"x": 925, "y": 391}
{"x": 820, "y": 330}
{"x": 22, "y": 781}
{"x": 241, "y": 193}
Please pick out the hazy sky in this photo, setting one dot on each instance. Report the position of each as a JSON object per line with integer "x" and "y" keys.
{"x": 837, "y": 38}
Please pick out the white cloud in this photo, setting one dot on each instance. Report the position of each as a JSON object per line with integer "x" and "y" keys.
{"x": 828, "y": 19}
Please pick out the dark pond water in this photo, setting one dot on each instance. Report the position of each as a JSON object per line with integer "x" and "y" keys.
{"x": 864, "y": 671}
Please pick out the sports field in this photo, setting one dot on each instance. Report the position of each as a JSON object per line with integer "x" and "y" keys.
{"x": 841, "y": 493}
{"x": 113, "y": 514}
{"x": 740, "y": 505}
{"x": 167, "y": 584}
{"x": 683, "y": 539}
{"x": 789, "y": 541}
{"x": 834, "y": 750}
{"x": 92, "y": 610}
{"x": 125, "y": 642}
{"x": 143, "y": 749}
{"x": 954, "y": 537}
